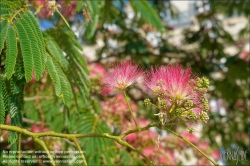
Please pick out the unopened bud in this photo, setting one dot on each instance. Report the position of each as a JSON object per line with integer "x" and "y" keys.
{"x": 147, "y": 102}
{"x": 189, "y": 103}
{"x": 162, "y": 103}
{"x": 202, "y": 83}
{"x": 190, "y": 130}
{"x": 204, "y": 117}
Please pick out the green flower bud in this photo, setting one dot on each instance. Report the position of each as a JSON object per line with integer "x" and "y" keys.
{"x": 191, "y": 115}
{"x": 202, "y": 83}
{"x": 162, "y": 103}
{"x": 147, "y": 102}
{"x": 178, "y": 112}
{"x": 191, "y": 130}
{"x": 189, "y": 103}
{"x": 203, "y": 116}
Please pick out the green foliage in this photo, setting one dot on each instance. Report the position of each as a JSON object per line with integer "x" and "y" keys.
{"x": 2, "y": 106}
{"x": 99, "y": 150}
{"x": 56, "y": 52}
{"x": 11, "y": 52}
{"x": 95, "y": 14}
{"x": 61, "y": 83}
{"x": 32, "y": 45}
{"x": 54, "y": 75}
{"x": 21, "y": 29}
{"x": 77, "y": 74}
{"x": 148, "y": 13}
{"x": 4, "y": 30}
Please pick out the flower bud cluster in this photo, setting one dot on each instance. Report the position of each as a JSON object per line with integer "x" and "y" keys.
{"x": 202, "y": 83}
{"x": 162, "y": 103}
{"x": 204, "y": 117}
{"x": 147, "y": 102}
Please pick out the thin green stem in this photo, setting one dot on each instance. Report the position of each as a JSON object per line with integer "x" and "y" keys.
{"x": 139, "y": 152}
{"x": 66, "y": 22}
{"x": 80, "y": 150}
{"x": 136, "y": 130}
{"x": 42, "y": 144}
{"x": 19, "y": 148}
{"x": 154, "y": 105}
{"x": 130, "y": 109}
{"x": 195, "y": 147}
{"x": 183, "y": 122}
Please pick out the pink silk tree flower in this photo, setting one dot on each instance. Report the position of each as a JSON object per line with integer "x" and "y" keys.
{"x": 155, "y": 82}
{"x": 172, "y": 81}
{"x": 180, "y": 94}
{"x": 120, "y": 76}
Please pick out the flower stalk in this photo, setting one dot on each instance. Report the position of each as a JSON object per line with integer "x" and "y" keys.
{"x": 195, "y": 147}
{"x": 130, "y": 109}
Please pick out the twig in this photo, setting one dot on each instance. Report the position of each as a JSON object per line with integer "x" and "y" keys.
{"x": 19, "y": 148}
{"x": 79, "y": 149}
{"x": 38, "y": 97}
{"x": 42, "y": 144}
{"x": 195, "y": 147}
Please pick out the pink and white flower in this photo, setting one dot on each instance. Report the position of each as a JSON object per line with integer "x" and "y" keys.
{"x": 120, "y": 76}
{"x": 175, "y": 85}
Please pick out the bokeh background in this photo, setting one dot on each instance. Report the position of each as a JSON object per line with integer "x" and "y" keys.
{"x": 211, "y": 37}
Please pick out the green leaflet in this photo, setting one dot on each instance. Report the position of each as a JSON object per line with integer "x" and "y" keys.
{"x": 148, "y": 13}
{"x": 69, "y": 33}
{"x": 66, "y": 90}
{"x": 98, "y": 148}
{"x": 83, "y": 75}
{"x": 32, "y": 45}
{"x": 11, "y": 52}
{"x": 57, "y": 53}
{"x": 2, "y": 107}
{"x": 62, "y": 85}
{"x": 77, "y": 73}
{"x": 3, "y": 34}
{"x": 5, "y": 8}
{"x": 95, "y": 13}
{"x": 79, "y": 57}
{"x": 53, "y": 75}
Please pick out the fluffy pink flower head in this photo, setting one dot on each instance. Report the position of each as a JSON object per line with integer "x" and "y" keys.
{"x": 156, "y": 81}
{"x": 179, "y": 92}
{"x": 120, "y": 76}
{"x": 172, "y": 81}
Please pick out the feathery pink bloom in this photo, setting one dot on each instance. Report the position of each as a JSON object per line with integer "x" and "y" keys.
{"x": 156, "y": 82}
{"x": 175, "y": 84}
{"x": 120, "y": 77}
{"x": 171, "y": 81}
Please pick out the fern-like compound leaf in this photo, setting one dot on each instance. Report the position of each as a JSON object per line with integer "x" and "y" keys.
{"x": 62, "y": 86}
{"x": 66, "y": 90}
{"x": 32, "y": 45}
{"x": 53, "y": 75}
{"x": 6, "y": 7}
{"x": 41, "y": 45}
{"x": 3, "y": 34}
{"x": 57, "y": 53}
{"x": 11, "y": 52}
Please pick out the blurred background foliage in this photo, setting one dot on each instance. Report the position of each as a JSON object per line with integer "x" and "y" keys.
{"x": 151, "y": 32}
